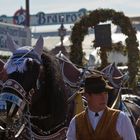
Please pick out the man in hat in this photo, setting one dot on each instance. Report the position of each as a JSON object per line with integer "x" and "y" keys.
{"x": 99, "y": 122}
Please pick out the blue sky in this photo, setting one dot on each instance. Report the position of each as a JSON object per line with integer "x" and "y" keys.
{"x": 128, "y": 7}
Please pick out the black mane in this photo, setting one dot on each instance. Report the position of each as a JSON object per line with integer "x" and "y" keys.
{"x": 50, "y": 99}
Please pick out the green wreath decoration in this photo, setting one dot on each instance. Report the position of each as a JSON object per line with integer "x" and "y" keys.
{"x": 80, "y": 29}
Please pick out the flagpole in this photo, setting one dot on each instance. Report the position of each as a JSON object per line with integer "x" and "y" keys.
{"x": 27, "y": 13}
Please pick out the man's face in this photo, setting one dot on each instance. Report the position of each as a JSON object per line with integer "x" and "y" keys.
{"x": 97, "y": 102}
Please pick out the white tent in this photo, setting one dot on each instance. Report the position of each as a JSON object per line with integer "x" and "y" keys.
{"x": 90, "y": 53}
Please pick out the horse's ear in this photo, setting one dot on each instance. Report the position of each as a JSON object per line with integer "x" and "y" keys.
{"x": 10, "y": 43}
{"x": 39, "y": 46}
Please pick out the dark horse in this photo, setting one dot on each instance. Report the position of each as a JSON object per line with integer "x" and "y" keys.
{"x": 123, "y": 97}
{"x": 34, "y": 96}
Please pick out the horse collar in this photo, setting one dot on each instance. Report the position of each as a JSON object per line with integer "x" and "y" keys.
{"x": 10, "y": 83}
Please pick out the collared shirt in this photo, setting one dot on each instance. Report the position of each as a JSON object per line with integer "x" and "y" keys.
{"x": 94, "y": 119}
{"x": 124, "y": 126}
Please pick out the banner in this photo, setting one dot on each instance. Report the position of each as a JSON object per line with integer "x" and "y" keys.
{"x": 42, "y": 18}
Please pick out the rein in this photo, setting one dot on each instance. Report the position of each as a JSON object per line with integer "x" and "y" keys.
{"x": 42, "y": 132}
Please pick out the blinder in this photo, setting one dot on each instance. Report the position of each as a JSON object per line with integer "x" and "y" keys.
{"x": 16, "y": 61}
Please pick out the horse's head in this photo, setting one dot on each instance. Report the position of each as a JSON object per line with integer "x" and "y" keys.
{"x": 23, "y": 69}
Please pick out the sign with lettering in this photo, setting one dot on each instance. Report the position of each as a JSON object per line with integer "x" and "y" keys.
{"x": 44, "y": 19}
{"x": 20, "y": 17}
{"x": 103, "y": 35}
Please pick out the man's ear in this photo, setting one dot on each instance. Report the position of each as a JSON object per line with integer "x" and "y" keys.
{"x": 138, "y": 122}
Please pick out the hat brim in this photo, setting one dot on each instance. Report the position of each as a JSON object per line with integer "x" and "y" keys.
{"x": 107, "y": 89}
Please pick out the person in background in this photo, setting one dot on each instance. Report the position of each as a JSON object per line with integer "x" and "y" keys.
{"x": 3, "y": 74}
{"x": 98, "y": 121}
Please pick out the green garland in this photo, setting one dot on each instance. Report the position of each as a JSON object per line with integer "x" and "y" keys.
{"x": 80, "y": 29}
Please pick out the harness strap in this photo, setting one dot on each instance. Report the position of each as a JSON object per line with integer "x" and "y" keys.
{"x": 7, "y": 96}
{"x": 21, "y": 108}
{"x": 14, "y": 99}
{"x": 12, "y": 109}
{"x": 10, "y": 83}
{"x": 61, "y": 134}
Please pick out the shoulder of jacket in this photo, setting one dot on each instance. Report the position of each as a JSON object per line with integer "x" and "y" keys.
{"x": 114, "y": 110}
{"x": 80, "y": 114}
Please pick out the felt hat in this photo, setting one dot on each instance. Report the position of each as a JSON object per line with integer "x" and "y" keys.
{"x": 96, "y": 84}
